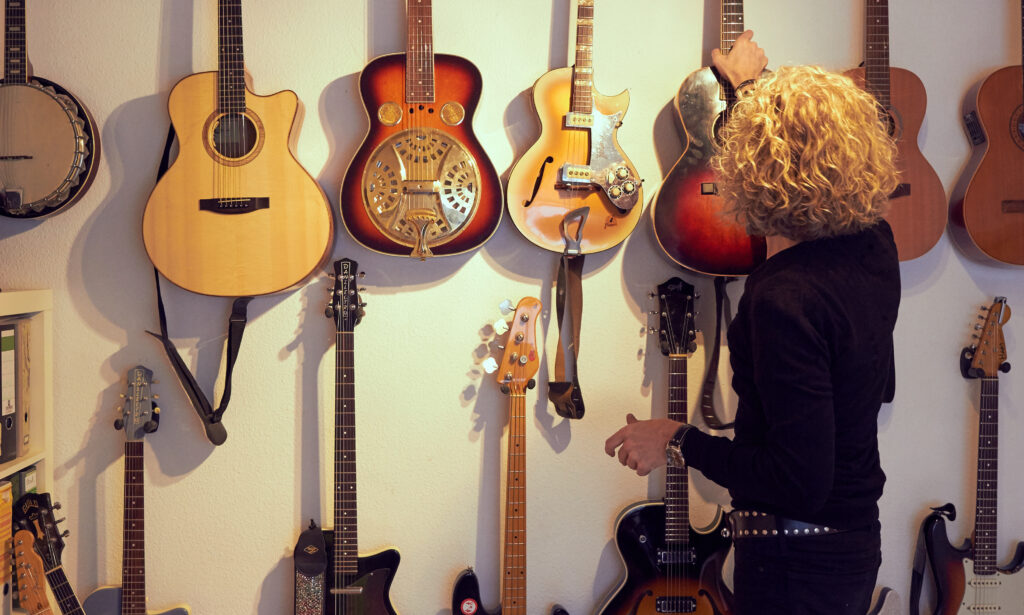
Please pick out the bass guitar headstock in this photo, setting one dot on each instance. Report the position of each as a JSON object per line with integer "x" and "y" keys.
{"x": 520, "y": 362}
{"x": 345, "y": 306}
{"x": 30, "y": 575}
{"x": 139, "y": 414}
{"x": 676, "y": 331}
{"x": 34, "y": 513}
{"x": 986, "y": 357}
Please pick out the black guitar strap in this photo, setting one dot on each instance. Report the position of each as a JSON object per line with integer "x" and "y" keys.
{"x": 564, "y": 394}
{"x": 707, "y": 396}
{"x": 236, "y": 326}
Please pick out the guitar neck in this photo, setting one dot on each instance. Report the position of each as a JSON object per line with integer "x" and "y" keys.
{"x": 732, "y": 27}
{"x": 133, "y": 562}
{"x": 988, "y": 479}
{"x": 231, "y": 57}
{"x": 419, "y": 54}
{"x": 346, "y": 539}
{"x": 62, "y": 591}
{"x": 876, "y": 50}
{"x": 582, "y": 99}
{"x": 513, "y": 591}
{"x": 15, "y": 66}
{"x": 677, "y": 480}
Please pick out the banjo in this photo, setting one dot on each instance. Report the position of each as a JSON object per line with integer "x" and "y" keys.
{"x": 48, "y": 149}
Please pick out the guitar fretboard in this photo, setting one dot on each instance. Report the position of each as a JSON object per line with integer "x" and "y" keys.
{"x": 988, "y": 479}
{"x": 346, "y": 537}
{"x": 581, "y": 99}
{"x": 876, "y": 50}
{"x": 230, "y": 58}
{"x": 133, "y": 566}
{"x": 62, "y": 591}
{"x": 732, "y": 23}
{"x": 513, "y": 590}
{"x": 15, "y": 68}
{"x": 419, "y": 52}
{"x": 677, "y": 480}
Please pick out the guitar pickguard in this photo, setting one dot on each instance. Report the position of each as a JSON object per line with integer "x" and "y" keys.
{"x": 607, "y": 168}
{"x": 993, "y": 593}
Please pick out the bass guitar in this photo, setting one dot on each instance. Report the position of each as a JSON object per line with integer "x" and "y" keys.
{"x": 49, "y": 146}
{"x": 672, "y": 567}
{"x": 967, "y": 580}
{"x": 917, "y": 212}
{"x": 688, "y": 220}
{"x": 577, "y": 163}
{"x": 987, "y": 216}
{"x": 138, "y": 416}
{"x": 515, "y": 375}
{"x": 235, "y": 214}
{"x": 421, "y": 184}
{"x": 355, "y": 584}
{"x": 30, "y": 575}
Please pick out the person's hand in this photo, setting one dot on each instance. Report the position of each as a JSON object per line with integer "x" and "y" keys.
{"x": 745, "y": 61}
{"x": 642, "y": 444}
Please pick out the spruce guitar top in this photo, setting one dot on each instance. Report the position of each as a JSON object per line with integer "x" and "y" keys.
{"x": 421, "y": 184}
{"x": 49, "y": 148}
{"x": 576, "y": 163}
{"x": 235, "y": 214}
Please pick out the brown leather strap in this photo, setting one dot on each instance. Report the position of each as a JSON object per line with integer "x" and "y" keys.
{"x": 566, "y": 395}
{"x": 707, "y": 395}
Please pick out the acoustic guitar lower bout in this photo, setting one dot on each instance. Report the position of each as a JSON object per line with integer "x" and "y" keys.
{"x": 421, "y": 184}
{"x": 236, "y": 214}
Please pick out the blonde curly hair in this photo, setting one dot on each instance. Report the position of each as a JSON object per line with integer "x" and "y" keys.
{"x": 805, "y": 155}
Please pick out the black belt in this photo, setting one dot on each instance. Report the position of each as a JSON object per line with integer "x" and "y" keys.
{"x": 753, "y": 524}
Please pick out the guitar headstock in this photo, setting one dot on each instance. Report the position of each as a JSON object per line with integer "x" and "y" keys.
{"x": 520, "y": 362}
{"x": 987, "y": 356}
{"x": 345, "y": 307}
{"x": 29, "y": 574}
{"x": 34, "y": 513}
{"x": 139, "y": 414}
{"x": 675, "y": 317}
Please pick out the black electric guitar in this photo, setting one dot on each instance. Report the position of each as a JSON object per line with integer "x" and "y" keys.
{"x": 38, "y": 545}
{"x": 515, "y": 374}
{"x": 354, "y": 584}
{"x": 671, "y": 567}
{"x": 967, "y": 580}
{"x": 138, "y": 416}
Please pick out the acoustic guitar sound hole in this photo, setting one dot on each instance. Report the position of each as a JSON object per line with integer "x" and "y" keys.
{"x": 1017, "y": 126}
{"x": 235, "y": 135}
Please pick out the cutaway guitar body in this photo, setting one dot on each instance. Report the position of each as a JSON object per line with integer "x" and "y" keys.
{"x": 367, "y": 591}
{"x": 571, "y": 167}
{"x": 235, "y": 214}
{"x": 653, "y": 582}
{"x": 421, "y": 184}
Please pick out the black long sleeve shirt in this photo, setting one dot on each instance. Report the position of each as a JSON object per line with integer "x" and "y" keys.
{"x": 812, "y": 357}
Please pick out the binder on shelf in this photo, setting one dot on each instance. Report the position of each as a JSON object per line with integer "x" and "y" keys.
{"x": 22, "y": 482}
{"x": 9, "y": 394}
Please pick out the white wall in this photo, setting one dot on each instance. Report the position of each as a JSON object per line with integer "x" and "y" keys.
{"x": 222, "y": 521}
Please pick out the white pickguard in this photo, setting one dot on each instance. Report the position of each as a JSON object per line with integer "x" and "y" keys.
{"x": 993, "y": 593}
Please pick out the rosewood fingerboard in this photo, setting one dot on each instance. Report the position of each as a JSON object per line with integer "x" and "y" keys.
{"x": 62, "y": 591}
{"x": 346, "y": 540}
{"x": 15, "y": 70}
{"x": 732, "y": 27}
{"x": 419, "y": 52}
{"x": 677, "y": 480}
{"x": 230, "y": 58}
{"x": 988, "y": 479}
{"x": 513, "y": 591}
{"x": 876, "y": 51}
{"x": 133, "y": 570}
{"x": 581, "y": 100}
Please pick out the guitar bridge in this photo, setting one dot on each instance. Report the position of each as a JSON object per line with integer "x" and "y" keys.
{"x": 240, "y": 205}
{"x": 346, "y": 591}
{"x": 675, "y": 604}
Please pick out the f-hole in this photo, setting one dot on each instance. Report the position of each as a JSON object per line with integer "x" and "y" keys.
{"x": 536, "y": 183}
{"x": 234, "y": 135}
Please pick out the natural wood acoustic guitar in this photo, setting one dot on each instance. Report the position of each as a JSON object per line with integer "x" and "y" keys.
{"x": 917, "y": 208}
{"x": 987, "y": 214}
{"x": 235, "y": 214}
{"x": 49, "y": 147}
{"x": 421, "y": 184}
{"x": 576, "y": 163}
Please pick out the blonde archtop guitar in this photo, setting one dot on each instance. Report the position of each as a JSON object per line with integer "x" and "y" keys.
{"x": 235, "y": 214}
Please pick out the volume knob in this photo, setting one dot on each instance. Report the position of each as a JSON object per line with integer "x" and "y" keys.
{"x": 622, "y": 172}
{"x": 616, "y": 192}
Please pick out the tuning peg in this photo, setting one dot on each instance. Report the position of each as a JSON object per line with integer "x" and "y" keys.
{"x": 329, "y": 311}
{"x": 531, "y": 383}
{"x": 361, "y": 274}
{"x": 118, "y": 423}
{"x": 984, "y": 308}
{"x": 500, "y": 326}
{"x": 1005, "y": 368}
{"x": 65, "y": 533}
{"x": 507, "y": 307}
{"x": 57, "y": 506}
{"x": 489, "y": 365}
{"x": 362, "y": 289}
{"x": 61, "y": 520}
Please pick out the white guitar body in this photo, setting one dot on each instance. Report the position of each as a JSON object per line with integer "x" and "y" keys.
{"x": 991, "y": 593}
{"x": 107, "y": 601}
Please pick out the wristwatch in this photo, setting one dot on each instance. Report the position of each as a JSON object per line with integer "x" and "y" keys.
{"x": 674, "y": 448}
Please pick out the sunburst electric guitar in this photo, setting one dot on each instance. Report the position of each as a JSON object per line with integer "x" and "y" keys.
{"x": 672, "y": 567}
{"x": 421, "y": 184}
{"x": 576, "y": 165}
{"x": 515, "y": 375}
{"x": 967, "y": 579}
{"x": 918, "y": 210}
{"x": 687, "y": 211}
{"x": 235, "y": 214}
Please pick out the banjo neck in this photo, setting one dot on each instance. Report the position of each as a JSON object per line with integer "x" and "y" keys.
{"x": 15, "y": 65}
